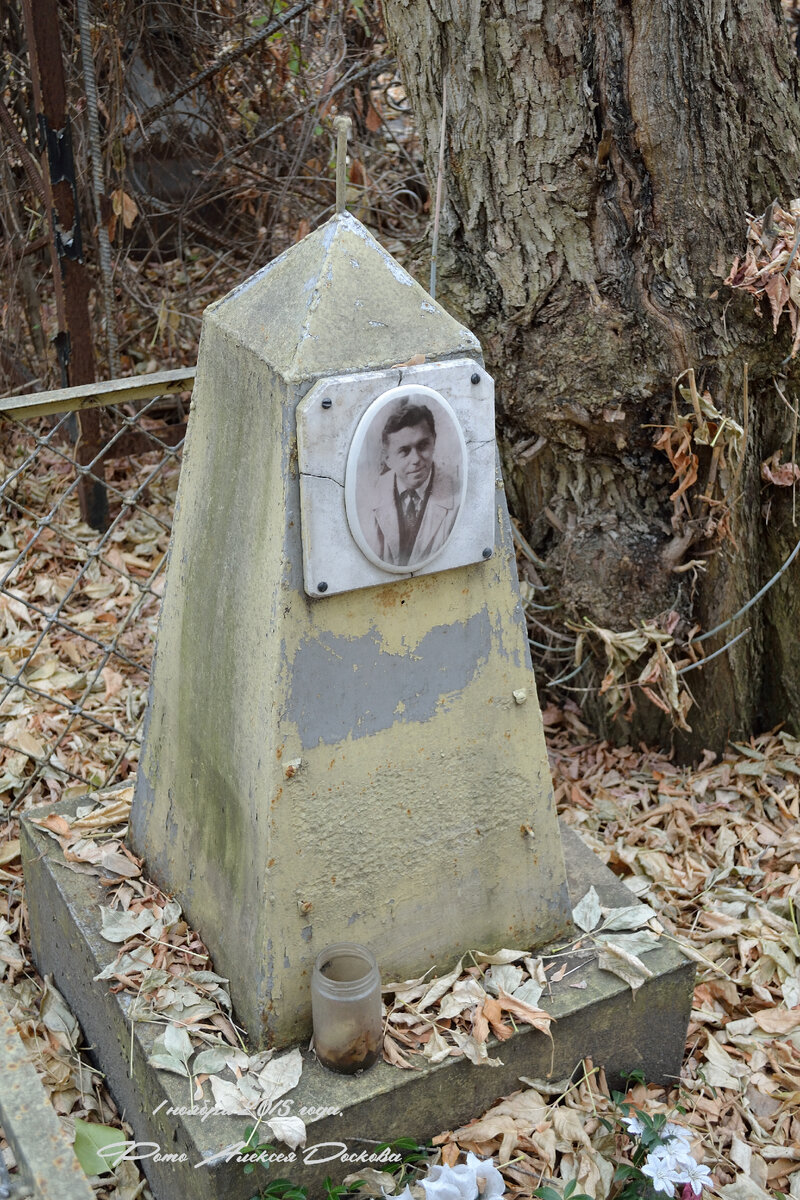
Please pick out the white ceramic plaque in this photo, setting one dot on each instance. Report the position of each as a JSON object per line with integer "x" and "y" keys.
{"x": 397, "y": 474}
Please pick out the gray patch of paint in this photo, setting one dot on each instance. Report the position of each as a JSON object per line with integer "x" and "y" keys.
{"x": 351, "y": 686}
{"x": 306, "y": 933}
{"x": 512, "y": 653}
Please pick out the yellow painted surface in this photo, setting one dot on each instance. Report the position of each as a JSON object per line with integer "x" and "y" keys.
{"x": 351, "y": 768}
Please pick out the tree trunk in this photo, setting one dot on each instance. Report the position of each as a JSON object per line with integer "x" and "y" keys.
{"x": 601, "y": 159}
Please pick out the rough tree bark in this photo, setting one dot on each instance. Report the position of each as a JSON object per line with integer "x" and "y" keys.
{"x": 601, "y": 157}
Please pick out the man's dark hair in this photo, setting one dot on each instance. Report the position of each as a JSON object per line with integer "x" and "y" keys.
{"x": 404, "y": 416}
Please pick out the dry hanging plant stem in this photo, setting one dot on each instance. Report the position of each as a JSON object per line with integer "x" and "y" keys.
{"x": 439, "y": 178}
{"x": 794, "y": 460}
{"x": 745, "y": 422}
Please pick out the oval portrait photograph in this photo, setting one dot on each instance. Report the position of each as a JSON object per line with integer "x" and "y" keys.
{"x": 406, "y": 478}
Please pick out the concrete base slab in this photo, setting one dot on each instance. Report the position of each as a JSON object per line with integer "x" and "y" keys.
{"x": 604, "y": 1021}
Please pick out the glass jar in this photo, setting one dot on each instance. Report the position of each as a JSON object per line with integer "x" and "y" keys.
{"x": 346, "y": 1008}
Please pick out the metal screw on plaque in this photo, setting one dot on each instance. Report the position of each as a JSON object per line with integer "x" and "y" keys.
{"x": 487, "y": 553}
{"x": 475, "y": 378}
{"x": 322, "y": 587}
{"x": 327, "y": 402}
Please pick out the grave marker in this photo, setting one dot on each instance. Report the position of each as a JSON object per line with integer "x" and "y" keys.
{"x": 343, "y": 743}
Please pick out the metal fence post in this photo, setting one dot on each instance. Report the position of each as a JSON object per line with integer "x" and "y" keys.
{"x": 74, "y": 344}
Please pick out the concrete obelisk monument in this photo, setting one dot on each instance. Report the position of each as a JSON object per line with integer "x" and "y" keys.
{"x": 343, "y": 743}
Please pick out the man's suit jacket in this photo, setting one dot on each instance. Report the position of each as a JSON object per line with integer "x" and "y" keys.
{"x": 436, "y": 526}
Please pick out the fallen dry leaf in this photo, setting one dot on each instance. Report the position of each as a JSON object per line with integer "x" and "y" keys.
{"x": 778, "y": 1020}
{"x": 626, "y": 966}
{"x": 9, "y": 852}
{"x": 525, "y": 1012}
{"x": 778, "y": 473}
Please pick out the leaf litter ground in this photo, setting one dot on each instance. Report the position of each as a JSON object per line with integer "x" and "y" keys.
{"x": 712, "y": 858}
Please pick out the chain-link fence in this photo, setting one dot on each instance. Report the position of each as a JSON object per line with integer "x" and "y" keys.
{"x": 78, "y": 606}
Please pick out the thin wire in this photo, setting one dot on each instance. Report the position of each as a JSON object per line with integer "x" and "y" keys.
{"x": 562, "y": 637}
{"x": 635, "y": 683}
{"x": 91, "y": 554}
{"x": 558, "y": 651}
{"x": 701, "y": 662}
{"x": 526, "y": 549}
{"x": 754, "y": 599}
{"x": 572, "y": 674}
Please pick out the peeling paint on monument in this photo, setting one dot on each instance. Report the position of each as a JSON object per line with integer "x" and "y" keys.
{"x": 365, "y": 747}
{"x": 445, "y": 661}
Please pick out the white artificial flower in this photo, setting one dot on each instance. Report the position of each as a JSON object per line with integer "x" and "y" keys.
{"x": 679, "y": 1139}
{"x": 633, "y": 1125}
{"x": 677, "y": 1131}
{"x": 477, "y": 1179}
{"x": 445, "y": 1189}
{"x": 666, "y": 1153}
{"x": 488, "y": 1178}
{"x": 677, "y": 1151}
{"x": 450, "y": 1183}
{"x": 698, "y": 1175}
{"x": 660, "y": 1167}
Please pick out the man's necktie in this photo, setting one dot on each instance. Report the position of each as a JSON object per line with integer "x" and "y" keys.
{"x": 411, "y": 505}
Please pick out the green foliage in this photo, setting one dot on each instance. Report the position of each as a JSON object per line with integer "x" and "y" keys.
{"x": 295, "y": 61}
{"x": 284, "y": 1189}
{"x": 90, "y": 1140}
{"x": 548, "y": 1192}
{"x": 337, "y": 1193}
{"x": 412, "y": 1152}
{"x": 275, "y": 10}
{"x": 358, "y": 8}
{"x": 252, "y": 1145}
{"x": 636, "y": 1187}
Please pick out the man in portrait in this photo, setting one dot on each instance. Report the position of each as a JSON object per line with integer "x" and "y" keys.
{"x": 416, "y": 501}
